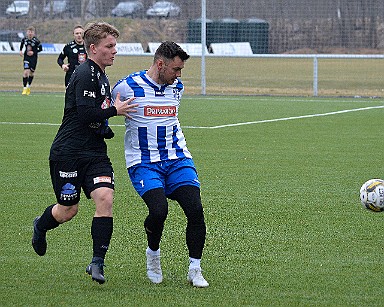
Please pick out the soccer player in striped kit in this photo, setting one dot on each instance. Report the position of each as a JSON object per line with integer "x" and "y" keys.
{"x": 159, "y": 163}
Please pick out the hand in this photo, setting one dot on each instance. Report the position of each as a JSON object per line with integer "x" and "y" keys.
{"x": 65, "y": 67}
{"x": 125, "y": 107}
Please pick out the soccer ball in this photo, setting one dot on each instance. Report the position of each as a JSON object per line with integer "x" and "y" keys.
{"x": 372, "y": 195}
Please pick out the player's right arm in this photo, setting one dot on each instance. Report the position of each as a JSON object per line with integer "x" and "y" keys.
{"x": 21, "y": 46}
{"x": 61, "y": 58}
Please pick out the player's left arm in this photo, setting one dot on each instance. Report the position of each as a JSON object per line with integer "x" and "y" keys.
{"x": 39, "y": 46}
{"x": 86, "y": 102}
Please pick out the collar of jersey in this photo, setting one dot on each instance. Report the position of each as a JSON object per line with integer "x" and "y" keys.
{"x": 143, "y": 75}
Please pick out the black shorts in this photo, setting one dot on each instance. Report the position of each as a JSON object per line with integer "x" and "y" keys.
{"x": 69, "y": 177}
{"x": 30, "y": 63}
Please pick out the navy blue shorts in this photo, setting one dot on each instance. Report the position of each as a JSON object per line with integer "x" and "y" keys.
{"x": 168, "y": 175}
{"x": 69, "y": 177}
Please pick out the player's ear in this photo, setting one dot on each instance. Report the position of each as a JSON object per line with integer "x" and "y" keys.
{"x": 160, "y": 64}
{"x": 92, "y": 48}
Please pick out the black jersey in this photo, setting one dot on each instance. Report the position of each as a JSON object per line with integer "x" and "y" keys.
{"x": 75, "y": 53}
{"x": 31, "y": 44}
{"x": 87, "y": 108}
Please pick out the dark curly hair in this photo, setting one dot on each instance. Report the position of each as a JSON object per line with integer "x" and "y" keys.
{"x": 170, "y": 50}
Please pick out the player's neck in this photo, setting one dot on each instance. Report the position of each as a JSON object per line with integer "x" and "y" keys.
{"x": 153, "y": 74}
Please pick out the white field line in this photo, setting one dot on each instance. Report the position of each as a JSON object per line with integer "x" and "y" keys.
{"x": 231, "y": 125}
{"x": 285, "y": 118}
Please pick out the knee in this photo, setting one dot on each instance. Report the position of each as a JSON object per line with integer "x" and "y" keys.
{"x": 195, "y": 215}
{"x": 159, "y": 215}
{"x": 157, "y": 206}
{"x": 103, "y": 198}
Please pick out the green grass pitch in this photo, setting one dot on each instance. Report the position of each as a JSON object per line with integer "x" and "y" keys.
{"x": 280, "y": 186}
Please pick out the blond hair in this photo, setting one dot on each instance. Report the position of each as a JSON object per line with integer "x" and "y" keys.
{"x": 96, "y": 31}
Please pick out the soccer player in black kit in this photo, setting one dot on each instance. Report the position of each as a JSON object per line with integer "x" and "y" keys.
{"x": 32, "y": 47}
{"x": 78, "y": 157}
{"x": 74, "y": 51}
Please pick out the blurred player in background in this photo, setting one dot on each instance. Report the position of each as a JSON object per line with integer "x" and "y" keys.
{"x": 78, "y": 158}
{"x": 159, "y": 163}
{"x": 74, "y": 51}
{"x": 32, "y": 47}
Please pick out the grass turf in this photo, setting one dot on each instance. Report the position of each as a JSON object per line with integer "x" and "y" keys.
{"x": 285, "y": 225}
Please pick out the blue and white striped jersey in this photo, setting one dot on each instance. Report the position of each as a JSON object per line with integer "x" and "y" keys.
{"x": 154, "y": 133}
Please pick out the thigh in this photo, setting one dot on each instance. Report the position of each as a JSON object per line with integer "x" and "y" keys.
{"x": 146, "y": 177}
{"x": 181, "y": 172}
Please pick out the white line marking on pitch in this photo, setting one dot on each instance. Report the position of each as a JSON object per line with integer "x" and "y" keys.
{"x": 285, "y": 118}
{"x": 230, "y": 125}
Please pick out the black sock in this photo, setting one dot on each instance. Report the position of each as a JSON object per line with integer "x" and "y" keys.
{"x": 30, "y": 79}
{"x": 101, "y": 231}
{"x": 47, "y": 221}
{"x": 25, "y": 81}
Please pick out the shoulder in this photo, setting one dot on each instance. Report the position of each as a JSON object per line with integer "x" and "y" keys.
{"x": 68, "y": 45}
{"x": 178, "y": 84}
{"x": 124, "y": 86}
{"x": 127, "y": 79}
{"x": 86, "y": 68}
{"x": 86, "y": 75}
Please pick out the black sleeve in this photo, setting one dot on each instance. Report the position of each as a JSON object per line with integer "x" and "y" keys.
{"x": 22, "y": 44}
{"x": 39, "y": 46}
{"x": 89, "y": 114}
{"x": 60, "y": 59}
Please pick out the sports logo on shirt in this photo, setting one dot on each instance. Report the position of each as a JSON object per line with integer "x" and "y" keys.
{"x": 106, "y": 103}
{"x": 102, "y": 90}
{"x": 81, "y": 57}
{"x": 87, "y": 93}
{"x": 176, "y": 94}
{"x": 160, "y": 111}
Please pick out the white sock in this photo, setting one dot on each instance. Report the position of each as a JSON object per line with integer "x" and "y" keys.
{"x": 194, "y": 263}
{"x": 153, "y": 253}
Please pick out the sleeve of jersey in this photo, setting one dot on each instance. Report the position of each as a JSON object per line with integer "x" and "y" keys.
{"x": 89, "y": 115}
{"x": 61, "y": 57}
{"x": 85, "y": 101}
{"x": 122, "y": 88}
{"x": 22, "y": 44}
{"x": 39, "y": 46}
